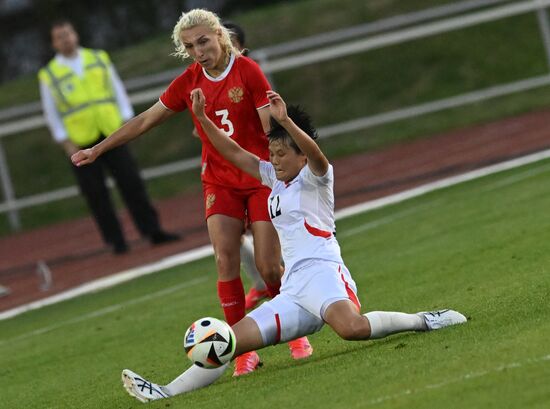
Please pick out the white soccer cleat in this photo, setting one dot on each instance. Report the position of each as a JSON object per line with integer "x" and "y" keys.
{"x": 441, "y": 319}
{"x": 140, "y": 388}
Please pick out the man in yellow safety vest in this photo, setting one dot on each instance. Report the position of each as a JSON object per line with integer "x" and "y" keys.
{"x": 84, "y": 101}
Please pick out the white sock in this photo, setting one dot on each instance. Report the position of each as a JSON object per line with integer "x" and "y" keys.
{"x": 249, "y": 265}
{"x": 194, "y": 378}
{"x": 384, "y": 323}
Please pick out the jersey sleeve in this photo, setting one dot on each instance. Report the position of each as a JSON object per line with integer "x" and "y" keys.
{"x": 256, "y": 82}
{"x": 174, "y": 97}
{"x": 267, "y": 173}
{"x": 310, "y": 178}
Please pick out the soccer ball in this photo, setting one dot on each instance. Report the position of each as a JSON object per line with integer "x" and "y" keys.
{"x": 209, "y": 342}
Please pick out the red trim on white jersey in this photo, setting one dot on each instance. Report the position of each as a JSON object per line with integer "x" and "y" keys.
{"x": 317, "y": 232}
{"x": 278, "y": 335}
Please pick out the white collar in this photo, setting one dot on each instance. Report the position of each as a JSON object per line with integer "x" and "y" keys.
{"x": 225, "y": 72}
{"x": 68, "y": 60}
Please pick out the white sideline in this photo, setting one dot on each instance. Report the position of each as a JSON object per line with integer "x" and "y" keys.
{"x": 110, "y": 281}
{"x": 104, "y": 311}
{"x": 207, "y": 250}
{"x": 441, "y": 184}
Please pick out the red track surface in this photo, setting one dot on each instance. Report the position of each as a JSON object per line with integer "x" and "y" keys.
{"x": 75, "y": 254}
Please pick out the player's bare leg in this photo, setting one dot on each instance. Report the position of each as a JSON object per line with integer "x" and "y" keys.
{"x": 343, "y": 317}
{"x": 258, "y": 290}
{"x": 346, "y": 321}
{"x": 248, "y": 336}
{"x": 225, "y": 235}
{"x": 267, "y": 252}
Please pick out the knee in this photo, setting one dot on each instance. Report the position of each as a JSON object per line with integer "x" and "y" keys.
{"x": 355, "y": 329}
{"x": 227, "y": 264}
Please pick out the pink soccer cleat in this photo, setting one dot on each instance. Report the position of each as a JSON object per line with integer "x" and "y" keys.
{"x": 253, "y": 297}
{"x": 300, "y": 348}
{"x": 246, "y": 363}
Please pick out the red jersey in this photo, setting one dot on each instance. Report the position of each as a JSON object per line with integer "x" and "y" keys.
{"x": 232, "y": 101}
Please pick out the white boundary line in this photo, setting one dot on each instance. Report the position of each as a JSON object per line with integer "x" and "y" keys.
{"x": 441, "y": 184}
{"x": 110, "y": 281}
{"x": 207, "y": 250}
{"x": 104, "y": 311}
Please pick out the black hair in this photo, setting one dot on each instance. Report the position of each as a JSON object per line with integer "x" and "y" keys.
{"x": 301, "y": 119}
{"x": 237, "y": 31}
{"x": 60, "y": 22}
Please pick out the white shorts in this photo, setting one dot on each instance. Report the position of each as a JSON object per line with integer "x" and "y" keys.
{"x": 305, "y": 295}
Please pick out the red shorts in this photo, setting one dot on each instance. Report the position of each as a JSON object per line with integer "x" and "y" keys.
{"x": 243, "y": 204}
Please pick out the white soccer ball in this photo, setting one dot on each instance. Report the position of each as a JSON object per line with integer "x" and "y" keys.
{"x": 209, "y": 342}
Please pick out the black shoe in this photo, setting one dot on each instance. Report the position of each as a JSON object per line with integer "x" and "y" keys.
{"x": 120, "y": 248}
{"x": 162, "y": 237}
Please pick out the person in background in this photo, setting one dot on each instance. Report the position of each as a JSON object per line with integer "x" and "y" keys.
{"x": 84, "y": 101}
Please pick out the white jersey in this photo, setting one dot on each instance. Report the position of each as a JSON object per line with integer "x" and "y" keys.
{"x": 302, "y": 212}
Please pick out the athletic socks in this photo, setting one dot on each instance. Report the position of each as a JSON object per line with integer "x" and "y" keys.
{"x": 231, "y": 295}
{"x": 249, "y": 264}
{"x": 194, "y": 378}
{"x": 384, "y": 323}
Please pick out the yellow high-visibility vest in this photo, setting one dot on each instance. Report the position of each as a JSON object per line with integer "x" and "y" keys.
{"x": 87, "y": 104}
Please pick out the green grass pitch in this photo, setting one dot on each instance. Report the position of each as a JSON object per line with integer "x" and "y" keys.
{"x": 480, "y": 247}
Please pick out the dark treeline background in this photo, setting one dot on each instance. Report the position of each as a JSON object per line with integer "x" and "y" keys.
{"x": 24, "y": 25}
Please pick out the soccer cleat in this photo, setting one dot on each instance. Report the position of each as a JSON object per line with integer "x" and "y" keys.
{"x": 141, "y": 388}
{"x": 441, "y": 319}
{"x": 162, "y": 237}
{"x": 253, "y": 297}
{"x": 246, "y": 363}
{"x": 300, "y": 348}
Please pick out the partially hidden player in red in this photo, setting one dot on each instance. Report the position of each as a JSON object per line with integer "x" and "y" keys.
{"x": 236, "y": 91}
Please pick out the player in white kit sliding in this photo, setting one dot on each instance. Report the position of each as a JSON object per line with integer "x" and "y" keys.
{"x": 317, "y": 288}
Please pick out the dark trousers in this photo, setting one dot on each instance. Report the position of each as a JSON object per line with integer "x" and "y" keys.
{"x": 92, "y": 182}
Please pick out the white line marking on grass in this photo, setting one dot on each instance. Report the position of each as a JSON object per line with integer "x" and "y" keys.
{"x": 441, "y": 184}
{"x": 385, "y": 220}
{"x": 462, "y": 378}
{"x": 205, "y": 251}
{"x": 113, "y": 280}
{"x": 517, "y": 178}
{"x": 105, "y": 311}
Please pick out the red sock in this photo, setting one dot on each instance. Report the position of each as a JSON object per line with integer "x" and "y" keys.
{"x": 273, "y": 288}
{"x": 231, "y": 295}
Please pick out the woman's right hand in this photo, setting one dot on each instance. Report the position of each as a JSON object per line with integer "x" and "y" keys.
{"x": 84, "y": 157}
{"x": 199, "y": 102}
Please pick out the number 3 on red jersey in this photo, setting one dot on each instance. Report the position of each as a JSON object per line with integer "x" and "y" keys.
{"x": 224, "y": 113}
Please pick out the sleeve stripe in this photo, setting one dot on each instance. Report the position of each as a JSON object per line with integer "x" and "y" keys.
{"x": 164, "y": 105}
{"x": 263, "y": 106}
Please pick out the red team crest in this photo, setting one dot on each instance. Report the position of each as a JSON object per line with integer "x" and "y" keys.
{"x": 210, "y": 199}
{"x": 235, "y": 94}
{"x": 232, "y": 103}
